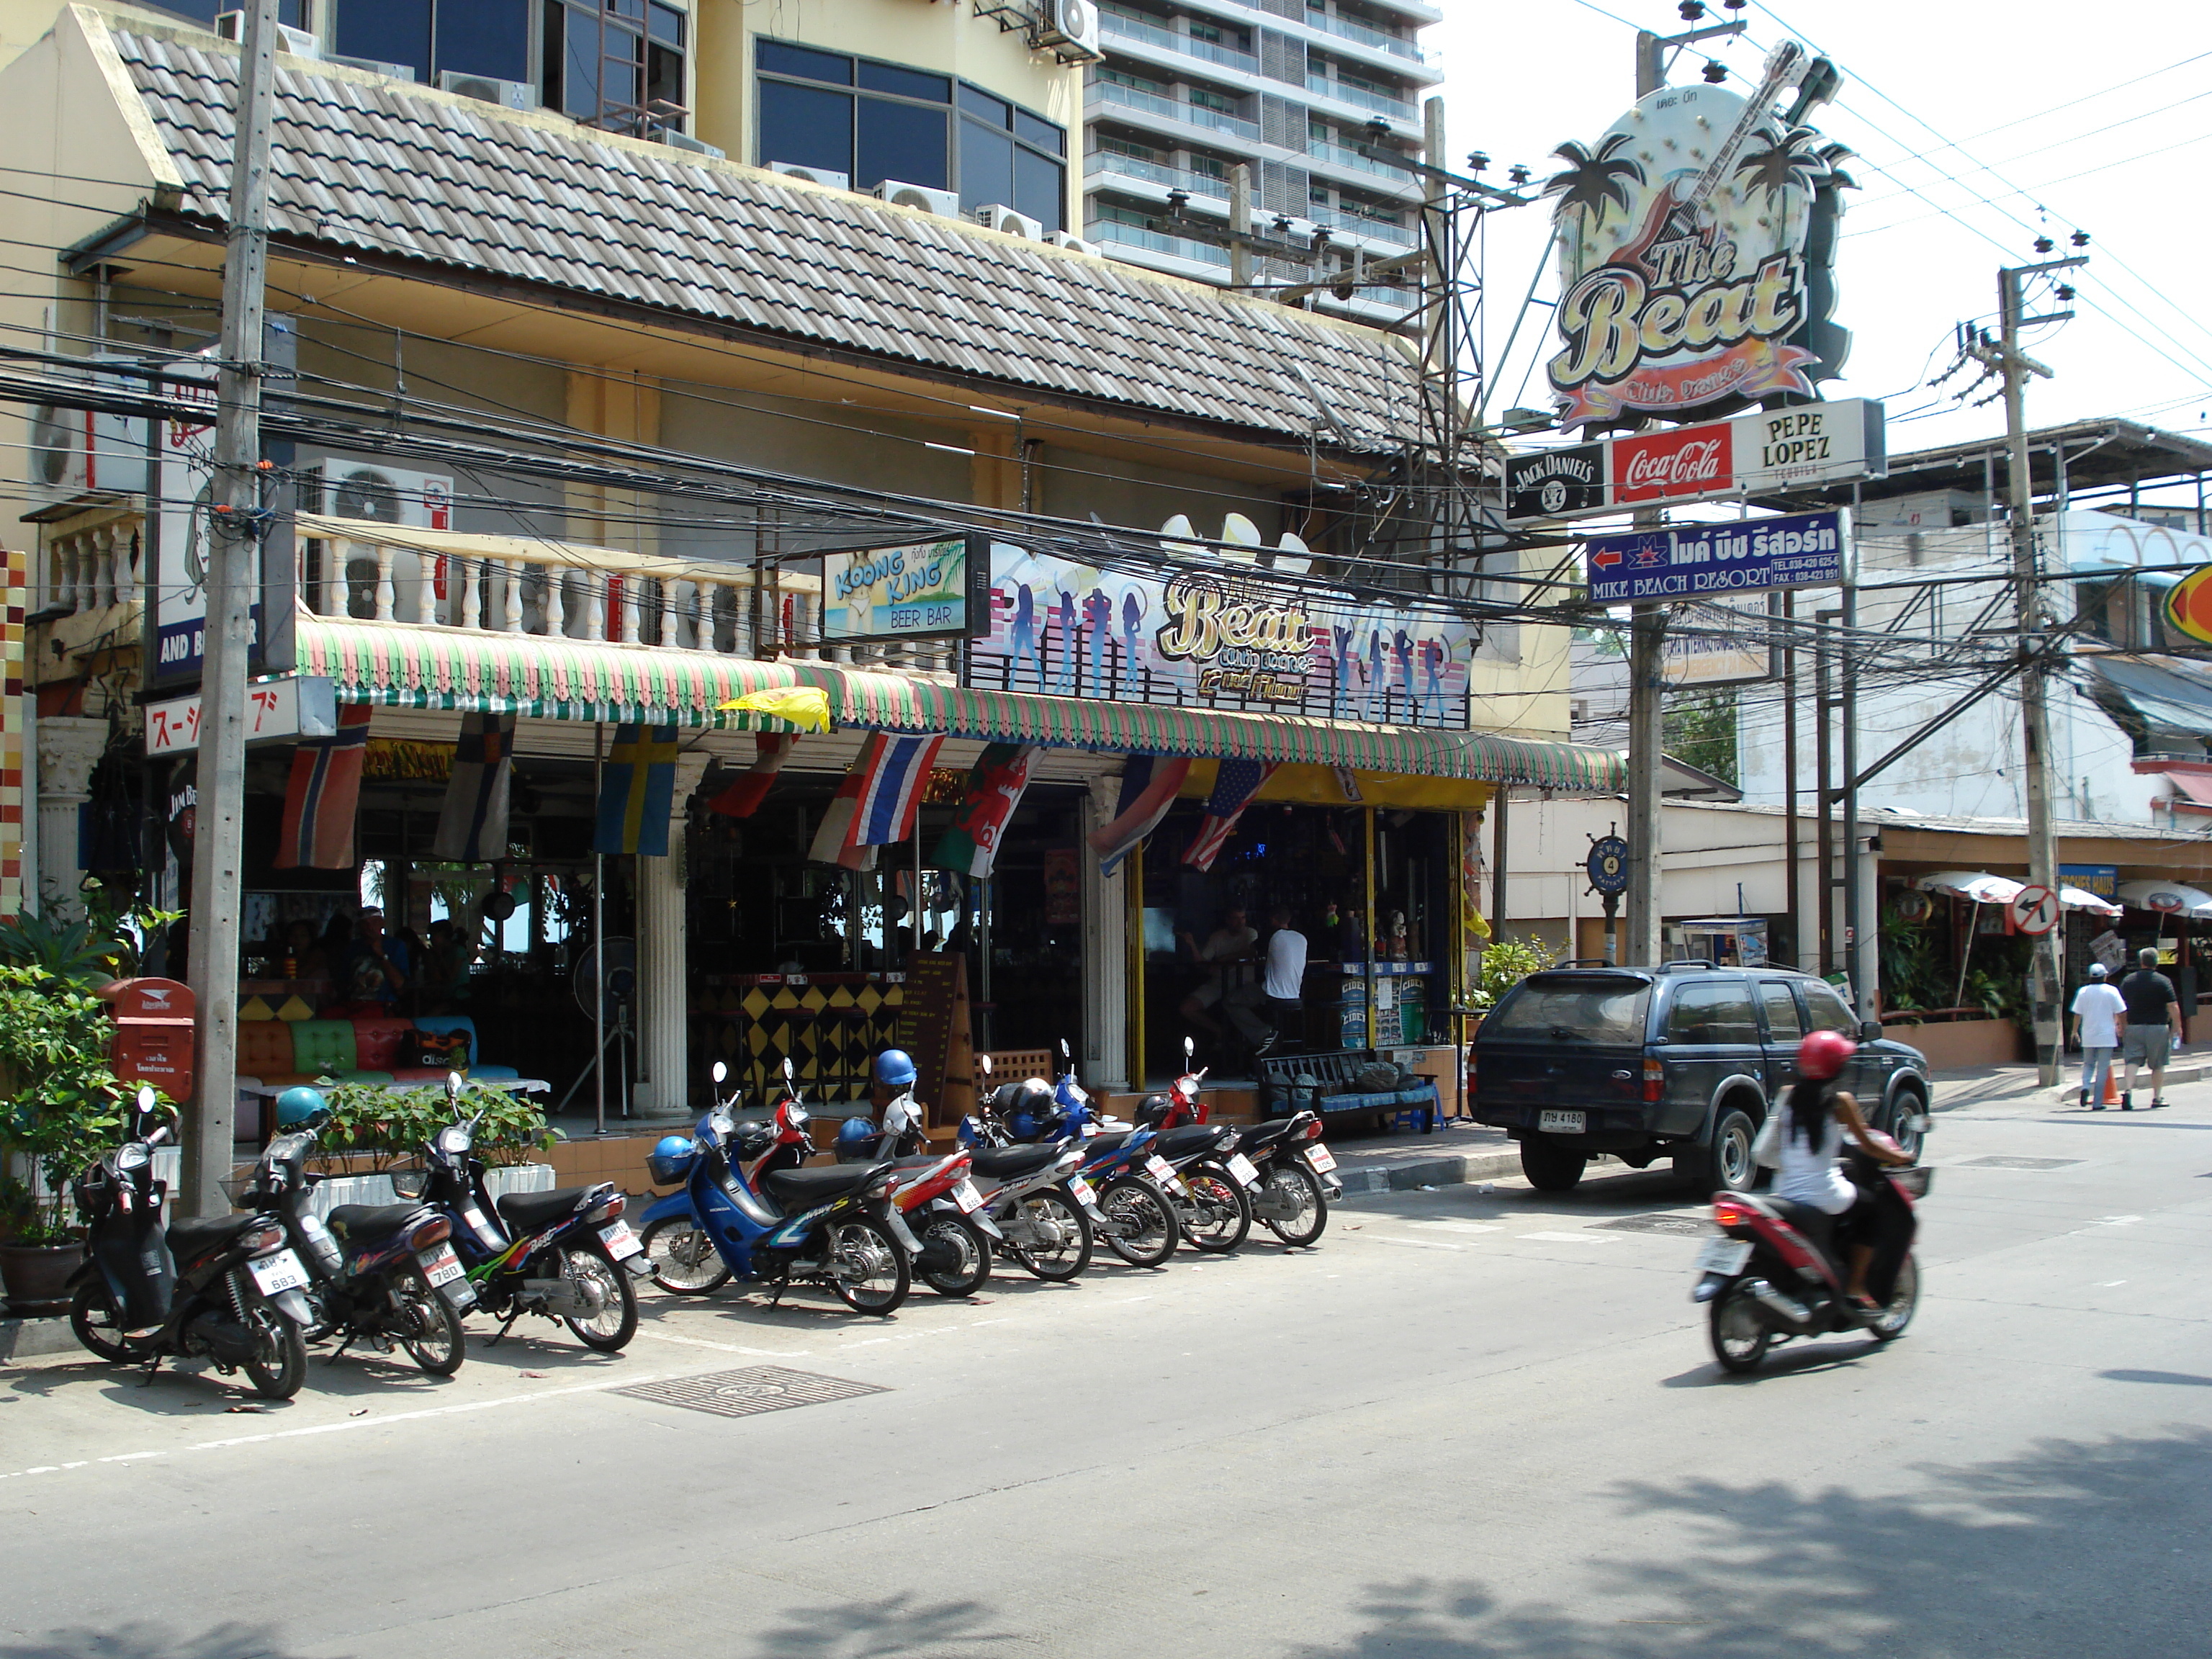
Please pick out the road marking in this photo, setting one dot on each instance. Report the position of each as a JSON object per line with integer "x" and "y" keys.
{"x": 1461, "y": 1226}
{"x": 2110, "y": 1283}
{"x": 1414, "y": 1243}
{"x": 725, "y": 1347}
{"x": 1569, "y": 1238}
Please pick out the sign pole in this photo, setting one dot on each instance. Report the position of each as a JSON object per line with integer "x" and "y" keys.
{"x": 1646, "y": 648}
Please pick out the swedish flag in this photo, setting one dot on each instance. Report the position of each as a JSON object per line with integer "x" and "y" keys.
{"x": 637, "y": 792}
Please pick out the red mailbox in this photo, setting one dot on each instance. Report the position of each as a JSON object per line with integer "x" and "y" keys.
{"x": 154, "y": 1035}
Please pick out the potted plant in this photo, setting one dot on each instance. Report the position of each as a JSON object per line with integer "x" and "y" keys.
{"x": 60, "y": 1110}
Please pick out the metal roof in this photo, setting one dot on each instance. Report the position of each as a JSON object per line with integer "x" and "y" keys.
{"x": 2101, "y": 454}
{"x": 366, "y": 163}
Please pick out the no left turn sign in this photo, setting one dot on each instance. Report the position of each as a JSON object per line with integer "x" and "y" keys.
{"x": 2033, "y": 910}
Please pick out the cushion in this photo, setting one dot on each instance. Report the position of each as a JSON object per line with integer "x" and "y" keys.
{"x": 449, "y": 1049}
{"x": 324, "y": 1045}
{"x": 265, "y": 1047}
{"x": 380, "y": 1043}
{"x": 443, "y": 1022}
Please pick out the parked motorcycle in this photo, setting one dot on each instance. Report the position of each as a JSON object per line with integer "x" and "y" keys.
{"x": 836, "y": 1227}
{"x": 566, "y": 1255}
{"x": 1210, "y": 1200}
{"x": 1763, "y": 1281}
{"x": 1137, "y": 1189}
{"x": 1296, "y": 1179}
{"x": 934, "y": 1192}
{"x": 1047, "y": 1211}
{"x": 383, "y": 1275}
{"x": 228, "y": 1288}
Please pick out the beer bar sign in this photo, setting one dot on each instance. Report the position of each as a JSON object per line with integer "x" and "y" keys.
{"x": 1707, "y": 561}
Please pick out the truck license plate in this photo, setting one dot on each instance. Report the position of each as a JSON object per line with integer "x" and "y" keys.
{"x": 1562, "y": 1123}
{"x": 1723, "y": 1255}
{"x": 621, "y": 1243}
{"x": 440, "y": 1265}
{"x": 279, "y": 1272}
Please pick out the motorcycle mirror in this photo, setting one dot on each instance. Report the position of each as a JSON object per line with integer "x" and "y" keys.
{"x": 1064, "y": 1055}
{"x": 787, "y": 1076}
{"x": 145, "y": 1099}
{"x": 721, "y": 1072}
{"x": 452, "y": 1086}
{"x": 983, "y": 1062}
{"x": 1189, "y": 1048}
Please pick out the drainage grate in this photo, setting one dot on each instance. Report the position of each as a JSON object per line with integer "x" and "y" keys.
{"x": 1998, "y": 1161}
{"x": 1685, "y": 1226}
{"x": 756, "y": 1389}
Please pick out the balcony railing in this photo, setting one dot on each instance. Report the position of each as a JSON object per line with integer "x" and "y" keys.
{"x": 1173, "y": 110}
{"x": 1360, "y": 97}
{"x": 1345, "y": 29}
{"x": 1338, "y": 155}
{"x": 1361, "y": 225}
{"x": 90, "y": 567}
{"x": 1180, "y": 247}
{"x": 1131, "y": 167}
{"x": 1169, "y": 40}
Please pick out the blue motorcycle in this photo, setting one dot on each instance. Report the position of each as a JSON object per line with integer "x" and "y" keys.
{"x": 836, "y": 1227}
{"x": 1137, "y": 1190}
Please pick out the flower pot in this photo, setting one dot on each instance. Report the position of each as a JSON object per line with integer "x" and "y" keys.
{"x": 38, "y": 1275}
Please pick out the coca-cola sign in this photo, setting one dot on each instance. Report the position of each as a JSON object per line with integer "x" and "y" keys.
{"x": 1669, "y": 465}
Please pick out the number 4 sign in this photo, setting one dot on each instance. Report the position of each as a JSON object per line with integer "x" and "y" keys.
{"x": 2033, "y": 910}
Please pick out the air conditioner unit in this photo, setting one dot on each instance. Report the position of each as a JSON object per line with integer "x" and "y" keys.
{"x": 391, "y": 71}
{"x": 945, "y": 203}
{"x": 829, "y": 176}
{"x": 231, "y": 25}
{"x": 77, "y": 452}
{"x": 1071, "y": 242}
{"x": 996, "y": 215}
{"x": 697, "y": 146}
{"x": 1070, "y": 27}
{"x": 382, "y": 495}
{"x": 508, "y": 94}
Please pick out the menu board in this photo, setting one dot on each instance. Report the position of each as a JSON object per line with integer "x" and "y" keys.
{"x": 933, "y": 1027}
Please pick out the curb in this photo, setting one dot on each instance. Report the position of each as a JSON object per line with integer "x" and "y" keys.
{"x": 1452, "y": 1169}
{"x": 26, "y": 1339}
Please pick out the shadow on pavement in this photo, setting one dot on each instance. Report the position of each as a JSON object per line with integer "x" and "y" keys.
{"x": 891, "y": 1627}
{"x": 151, "y": 1641}
{"x": 2184, "y": 1378}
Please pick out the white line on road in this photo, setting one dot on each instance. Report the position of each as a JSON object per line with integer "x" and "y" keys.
{"x": 1570, "y": 1238}
{"x": 726, "y": 1347}
{"x": 1414, "y": 1243}
{"x": 1461, "y": 1226}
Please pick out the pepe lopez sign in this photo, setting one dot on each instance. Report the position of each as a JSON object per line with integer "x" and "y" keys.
{"x": 1695, "y": 240}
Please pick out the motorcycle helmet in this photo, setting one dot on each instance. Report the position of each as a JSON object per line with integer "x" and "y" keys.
{"x": 856, "y": 1140}
{"x": 669, "y": 1163}
{"x": 1032, "y": 1111}
{"x": 1822, "y": 1055}
{"x": 1152, "y": 1111}
{"x": 895, "y": 1069}
{"x": 298, "y": 1105}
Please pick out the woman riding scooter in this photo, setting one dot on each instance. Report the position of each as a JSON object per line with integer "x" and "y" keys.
{"x": 1814, "y": 1118}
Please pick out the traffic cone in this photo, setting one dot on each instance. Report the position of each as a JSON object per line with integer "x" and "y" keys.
{"x": 2112, "y": 1088}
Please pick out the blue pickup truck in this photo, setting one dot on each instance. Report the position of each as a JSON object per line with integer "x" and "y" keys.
{"x": 1681, "y": 1062}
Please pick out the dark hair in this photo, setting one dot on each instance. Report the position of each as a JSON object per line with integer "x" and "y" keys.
{"x": 1810, "y": 1107}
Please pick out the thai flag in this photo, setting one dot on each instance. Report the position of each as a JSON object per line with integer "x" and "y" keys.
{"x": 877, "y": 803}
{"x": 1234, "y": 785}
{"x": 1149, "y": 783}
{"x": 323, "y": 790}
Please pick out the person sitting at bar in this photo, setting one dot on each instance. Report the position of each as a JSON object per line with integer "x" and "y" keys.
{"x": 377, "y": 969}
{"x": 1231, "y": 943}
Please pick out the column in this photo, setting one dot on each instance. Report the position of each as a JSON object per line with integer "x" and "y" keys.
{"x": 69, "y": 745}
{"x": 663, "y": 997}
{"x": 1105, "y": 953}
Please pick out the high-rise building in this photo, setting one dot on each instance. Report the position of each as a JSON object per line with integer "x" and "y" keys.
{"x": 1291, "y": 88}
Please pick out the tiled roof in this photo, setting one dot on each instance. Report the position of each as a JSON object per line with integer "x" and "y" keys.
{"x": 376, "y": 165}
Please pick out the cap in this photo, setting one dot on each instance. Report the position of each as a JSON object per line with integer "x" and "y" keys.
{"x": 2096, "y": 971}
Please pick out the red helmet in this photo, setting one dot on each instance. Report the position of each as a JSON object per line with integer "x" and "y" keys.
{"x": 1822, "y": 1053}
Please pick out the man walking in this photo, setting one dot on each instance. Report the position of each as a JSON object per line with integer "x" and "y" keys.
{"x": 2099, "y": 1013}
{"x": 2153, "y": 1007}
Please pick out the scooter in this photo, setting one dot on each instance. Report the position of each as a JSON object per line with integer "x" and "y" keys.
{"x": 566, "y": 1255}
{"x": 227, "y": 1288}
{"x": 1137, "y": 1190}
{"x": 1048, "y": 1212}
{"x": 837, "y": 1227}
{"x": 1297, "y": 1180}
{"x": 1211, "y": 1203}
{"x": 1763, "y": 1281}
{"x": 935, "y": 1193}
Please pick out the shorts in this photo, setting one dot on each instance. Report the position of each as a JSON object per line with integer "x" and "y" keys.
{"x": 1207, "y": 993}
{"x": 2148, "y": 1045}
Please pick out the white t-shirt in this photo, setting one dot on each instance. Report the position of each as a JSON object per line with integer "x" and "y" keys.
{"x": 2097, "y": 1003}
{"x": 1809, "y": 1175}
{"x": 1286, "y": 964}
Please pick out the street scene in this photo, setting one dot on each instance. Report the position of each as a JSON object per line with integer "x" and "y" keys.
{"x": 918, "y": 827}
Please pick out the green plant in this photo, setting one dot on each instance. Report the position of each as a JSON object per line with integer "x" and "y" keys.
{"x": 1506, "y": 964}
{"x": 388, "y": 1127}
{"x": 1914, "y": 975}
{"x": 62, "y": 1107}
{"x": 512, "y": 1127}
{"x": 1701, "y": 730}
{"x": 108, "y": 944}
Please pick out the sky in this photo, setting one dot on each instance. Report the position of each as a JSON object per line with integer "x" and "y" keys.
{"x": 1977, "y": 125}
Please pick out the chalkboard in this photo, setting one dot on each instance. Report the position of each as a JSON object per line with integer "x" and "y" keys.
{"x": 933, "y": 1027}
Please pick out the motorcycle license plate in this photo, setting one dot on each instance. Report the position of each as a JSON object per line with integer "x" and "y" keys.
{"x": 1562, "y": 1123}
{"x": 967, "y": 1198}
{"x": 1085, "y": 1194}
{"x": 1163, "y": 1172}
{"x": 1723, "y": 1255}
{"x": 1321, "y": 1158}
{"x": 279, "y": 1272}
{"x": 1242, "y": 1168}
{"x": 440, "y": 1265}
{"x": 621, "y": 1243}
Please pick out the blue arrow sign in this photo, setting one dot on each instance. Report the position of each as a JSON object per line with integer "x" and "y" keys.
{"x": 1806, "y": 550}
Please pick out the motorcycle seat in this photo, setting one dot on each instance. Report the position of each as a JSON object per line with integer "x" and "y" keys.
{"x": 1100, "y": 1143}
{"x": 1188, "y": 1141}
{"x": 1262, "y": 1137}
{"x": 192, "y": 1241}
{"x": 796, "y": 1189}
{"x": 369, "y": 1224}
{"x": 528, "y": 1211}
{"x": 1013, "y": 1163}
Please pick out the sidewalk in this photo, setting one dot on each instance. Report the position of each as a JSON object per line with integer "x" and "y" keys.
{"x": 1981, "y": 1086}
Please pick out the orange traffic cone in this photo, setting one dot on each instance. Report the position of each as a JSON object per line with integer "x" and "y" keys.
{"x": 2112, "y": 1088}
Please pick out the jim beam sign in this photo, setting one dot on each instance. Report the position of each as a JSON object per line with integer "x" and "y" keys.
{"x": 1696, "y": 240}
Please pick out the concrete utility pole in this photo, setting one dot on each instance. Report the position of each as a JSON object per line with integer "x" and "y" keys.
{"x": 1651, "y": 52}
{"x": 233, "y": 573}
{"x": 2015, "y": 366}
{"x": 1646, "y": 642}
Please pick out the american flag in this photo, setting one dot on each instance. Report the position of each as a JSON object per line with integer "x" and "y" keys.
{"x": 1234, "y": 785}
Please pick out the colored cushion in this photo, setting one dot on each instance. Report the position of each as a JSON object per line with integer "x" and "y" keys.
{"x": 265, "y": 1047}
{"x": 324, "y": 1045}
{"x": 441, "y": 1022}
{"x": 379, "y": 1042}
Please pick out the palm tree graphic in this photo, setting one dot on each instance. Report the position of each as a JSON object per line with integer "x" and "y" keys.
{"x": 1785, "y": 160}
{"x": 1593, "y": 179}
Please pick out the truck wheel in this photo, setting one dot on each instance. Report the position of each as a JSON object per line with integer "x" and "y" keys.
{"x": 1552, "y": 1168}
{"x": 1725, "y": 1164}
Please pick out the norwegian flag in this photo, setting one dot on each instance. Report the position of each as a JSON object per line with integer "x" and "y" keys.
{"x": 1234, "y": 785}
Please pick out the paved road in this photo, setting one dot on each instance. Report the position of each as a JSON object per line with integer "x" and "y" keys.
{"x": 1473, "y": 1423}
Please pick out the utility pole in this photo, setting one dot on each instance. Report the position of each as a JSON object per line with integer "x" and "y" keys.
{"x": 2015, "y": 366}
{"x": 1651, "y": 52}
{"x": 1646, "y": 662}
{"x": 233, "y": 573}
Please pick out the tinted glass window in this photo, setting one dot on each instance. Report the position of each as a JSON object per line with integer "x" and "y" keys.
{"x": 904, "y": 141}
{"x": 905, "y": 82}
{"x": 1045, "y": 135}
{"x": 981, "y": 104}
{"x": 1572, "y": 1011}
{"x": 1037, "y": 190}
{"x": 484, "y": 37}
{"x": 1827, "y": 1011}
{"x": 390, "y": 32}
{"x": 775, "y": 58}
{"x": 1718, "y": 1010}
{"x": 1781, "y": 1011}
{"x": 807, "y": 126}
{"x": 987, "y": 166}
{"x": 665, "y": 23}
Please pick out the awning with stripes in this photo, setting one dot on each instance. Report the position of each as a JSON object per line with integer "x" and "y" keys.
{"x": 411, "y": 666}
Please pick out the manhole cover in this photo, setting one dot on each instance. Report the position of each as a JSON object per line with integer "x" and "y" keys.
{"x": 1998, "y": 1161}
{"x": 756, "y": 1389}
{"x": 1687, "y": 1226}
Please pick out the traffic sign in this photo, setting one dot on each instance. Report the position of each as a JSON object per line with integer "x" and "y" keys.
{"x": 1608, "y": 865}
{"x": 2033, "y": 910}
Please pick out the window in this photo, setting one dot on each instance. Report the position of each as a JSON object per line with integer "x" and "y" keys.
{"x": 613, "y": 63}
{"x": 1209, "y": 166}
{"x": 1129, "y": 147}
{"x": 1781, "y": 1011}
{"x": 1718, "y": 1010}
{"x": 1124, "y": 78}
{"x": 1828, "y": 1013}
{"x": 874, "y": 121}
{"x": 293, "y": 14}
{"x": 1571, "y": 1011}
{"x": 1206, "y": 98}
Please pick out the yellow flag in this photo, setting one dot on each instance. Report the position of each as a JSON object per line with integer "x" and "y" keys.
{"x": 807, "y": 707}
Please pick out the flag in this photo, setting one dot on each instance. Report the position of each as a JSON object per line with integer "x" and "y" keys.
{"x": 472, "y": 824}
{"x": 1149, "y": 783}
{"x": 994, "y": 789}
{"x": 807, "y": 707}
{"x": 877, "y": 803}
{"x": 637, "y": 792}
{"x": 743, "y": 797}
{"x": 321, "y": 798}
{"x": 1234, "y": 785}
{"x": 833, "y": 839}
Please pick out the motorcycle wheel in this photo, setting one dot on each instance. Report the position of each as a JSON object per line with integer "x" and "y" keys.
{"x": 1295, "y": 1184}
{"x": 867, "y": 1246}
{"x": 1740, "y": 1336}
{"x": 616, "y": 1322}
{"x": 1903, "y": 1298}
{"x": 1221, "y": 1215}
{"x": 969, "y": 1244}
{"x": 279, "y": 1361}
{"x": 1063, "y": 1261}
{"x": 684, "y": 1260}
{"x": 1146, "y": 1230}
{"x": 97, "y": 1323}
{"x": 430, "y": 1327}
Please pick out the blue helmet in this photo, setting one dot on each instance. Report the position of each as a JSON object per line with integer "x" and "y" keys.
{"x": 669, "y": 1161}
{"x": 895, "y": 1069}
{"x": 299, "y": 1103}
{"x": 856, "y": 1140}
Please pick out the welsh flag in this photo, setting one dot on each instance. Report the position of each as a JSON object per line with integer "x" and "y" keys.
{"x": 995, "y": 784}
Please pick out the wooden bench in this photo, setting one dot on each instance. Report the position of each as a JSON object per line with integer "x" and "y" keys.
{"x": 1415, "y": 1106}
